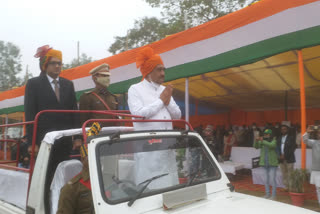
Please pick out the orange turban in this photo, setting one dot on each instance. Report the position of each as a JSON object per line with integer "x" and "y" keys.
{"x": 46, "y": 53}
{"x": 146, "y": 60}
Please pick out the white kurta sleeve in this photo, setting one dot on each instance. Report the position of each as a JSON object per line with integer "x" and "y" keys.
{"x": 174, "y": 109}
{"x": 307, "y": 140}
{"x": 136, "y": 106}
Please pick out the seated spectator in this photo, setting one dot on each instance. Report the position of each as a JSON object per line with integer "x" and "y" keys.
{"x": 26, "y": 157}
{"x": 77, "y": 141}
{"x": 242, "y": 136}
{"x": 22, "y": 148}
{"x": 256, "y": 131}
{"x": 209, "y": 139}
{"x": 199, "y": 129}
{"x": 229, "y": 141}
{"x": 13, "y": 150}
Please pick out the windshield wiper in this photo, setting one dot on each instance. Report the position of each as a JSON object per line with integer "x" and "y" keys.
{"x": 193, "y": 176}
{"x": 127, "y": 189}
{"x": 144, "y": 187}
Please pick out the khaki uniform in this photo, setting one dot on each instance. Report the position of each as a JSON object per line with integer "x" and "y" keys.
{"x": 88, "y": 101}
{"x": 75, "y": 197}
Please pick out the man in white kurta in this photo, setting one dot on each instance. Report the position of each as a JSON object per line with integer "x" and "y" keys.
{"x": 153, "y": 101}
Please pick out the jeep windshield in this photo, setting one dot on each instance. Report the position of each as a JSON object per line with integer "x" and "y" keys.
{"x": 137, "y": 165}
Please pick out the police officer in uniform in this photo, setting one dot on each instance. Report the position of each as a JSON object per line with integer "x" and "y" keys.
{"x": 75, "y": 196}
{"x": 99, "y": 98}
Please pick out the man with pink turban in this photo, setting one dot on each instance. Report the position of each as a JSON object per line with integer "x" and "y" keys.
{"x": 49, "y": 91}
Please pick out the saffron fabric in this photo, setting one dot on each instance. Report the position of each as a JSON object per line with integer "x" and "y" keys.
{"x": 147, "y": 60}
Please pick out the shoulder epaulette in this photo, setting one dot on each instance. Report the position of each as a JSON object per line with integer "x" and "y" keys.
{"x": 88, "y": 92}
{"x": 75, "y": 179}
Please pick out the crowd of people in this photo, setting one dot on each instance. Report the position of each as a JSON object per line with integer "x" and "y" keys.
{"x": 222, "y": 138}
{"x": 21, "y": 150}
{"x": 277, "y": 143}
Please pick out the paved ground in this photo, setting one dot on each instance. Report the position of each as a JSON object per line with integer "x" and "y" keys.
{"x": 243, "y": 183}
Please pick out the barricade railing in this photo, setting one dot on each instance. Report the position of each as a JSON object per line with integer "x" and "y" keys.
{"x": 34, "y": 134}
{"x": 129, "y": 120}
{"x": 18, "y": 151}
{"x": 116, "y": 113}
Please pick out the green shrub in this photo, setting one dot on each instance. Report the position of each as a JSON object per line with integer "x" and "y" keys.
{"x": 297, "y": 178}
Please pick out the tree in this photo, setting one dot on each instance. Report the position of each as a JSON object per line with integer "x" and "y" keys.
{"x": 197, "y": 11}
{"x": 174, "y": 12}
{"x": 26, "y": 77}
{"x": 145, "y": 31}
{"x": 83, "y": 59}
{"x": 10, "y": 65}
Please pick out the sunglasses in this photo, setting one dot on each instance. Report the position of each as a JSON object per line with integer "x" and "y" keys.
{"x": 55, "y": 63}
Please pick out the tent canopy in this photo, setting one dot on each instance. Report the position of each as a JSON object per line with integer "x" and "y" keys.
{"x": 270, "y": 83}
{"x": 246, "y": 59}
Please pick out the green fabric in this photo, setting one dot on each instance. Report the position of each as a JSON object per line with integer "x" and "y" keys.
{"x": 271, "y": 151}
{"x": 241, "y": 56}
{"x": 268, "y": 131}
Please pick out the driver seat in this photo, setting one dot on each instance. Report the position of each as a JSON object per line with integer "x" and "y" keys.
{"x": 65, "y": 171}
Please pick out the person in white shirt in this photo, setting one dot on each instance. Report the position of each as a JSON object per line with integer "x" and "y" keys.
{"x": 315, "y": 145}
{"x": 149, "y": 98}
{"x": 153, "y": 101}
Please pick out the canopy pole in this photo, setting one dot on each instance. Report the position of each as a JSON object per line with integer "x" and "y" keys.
{"x": 5, "y": 137}
{"x": 24, "y": 126}
{"x": 303, "y": 109}
{"x": 187, "y": 101}
{"x": 187, "y": 80}
{"x": 286, "y": 105}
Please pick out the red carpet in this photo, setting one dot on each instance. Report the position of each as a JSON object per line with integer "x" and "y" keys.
{"x": 244, "y": 182}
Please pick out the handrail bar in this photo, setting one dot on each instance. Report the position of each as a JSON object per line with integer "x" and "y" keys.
{"x": 128, "y": 120}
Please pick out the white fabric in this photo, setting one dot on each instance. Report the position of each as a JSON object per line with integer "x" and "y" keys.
{"x": 297, "y": 154}
{"x": 256, "y": 134}
{"x": 259, "y": 177}
{"x": 298, "y": 139}
{"x": 52, "y": 136}
{"x": 283, "y": 140}
{"x": 14, "y": 187}
{"x": 241, "y": 157}
{"x": 126, "y": 170}
{"x": 144, "y": 100}
{"x": 315, "y": 178}
{"x": 318, "y": 193}
{"x": 244, "y": 155}
{"x": 65, "y": 171}
{"x": 315, "y": 147}
{"x": 230, "y": 167}
{"x": 151, "y": 164}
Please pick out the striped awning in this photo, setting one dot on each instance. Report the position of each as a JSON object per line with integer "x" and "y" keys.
{"x": 233, "y": 60}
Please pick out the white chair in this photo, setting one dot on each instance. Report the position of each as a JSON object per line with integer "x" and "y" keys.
{"x": 65, "y": 171}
